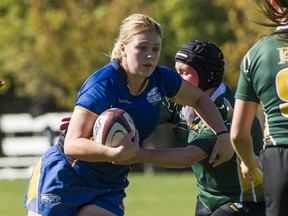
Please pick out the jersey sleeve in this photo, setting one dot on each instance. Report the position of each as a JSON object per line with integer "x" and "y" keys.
{"x": 165, "y": 114}
{"x": 94, "y": 96}
{"x": 172, "y": 81}
{"x": 245, "y": 90}
{"x": 205, "y": 140}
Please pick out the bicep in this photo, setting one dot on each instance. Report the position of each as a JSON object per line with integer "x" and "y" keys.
{"x": 81, "y": 124}
{"x": 187, "y": 94}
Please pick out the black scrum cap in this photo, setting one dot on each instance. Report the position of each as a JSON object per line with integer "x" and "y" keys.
{"x": 206, "y": 58}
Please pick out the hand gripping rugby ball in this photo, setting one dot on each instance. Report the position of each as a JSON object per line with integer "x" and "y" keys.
{"x": 112, "y": 126}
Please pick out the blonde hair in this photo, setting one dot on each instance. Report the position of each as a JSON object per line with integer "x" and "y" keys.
{"x": 131, "y": 26}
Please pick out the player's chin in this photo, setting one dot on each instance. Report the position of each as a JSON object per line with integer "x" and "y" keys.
{"x": 146, "y": 72}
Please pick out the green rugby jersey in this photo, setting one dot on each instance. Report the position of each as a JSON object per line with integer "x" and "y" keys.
{"x": 264, "y": 78}
{"x": 224, "y": 183}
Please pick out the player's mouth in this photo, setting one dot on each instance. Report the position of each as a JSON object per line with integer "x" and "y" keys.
{"x": 148, "y": 65}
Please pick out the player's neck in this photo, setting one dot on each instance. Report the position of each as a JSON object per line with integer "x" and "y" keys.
{"x": 136, "y": 86}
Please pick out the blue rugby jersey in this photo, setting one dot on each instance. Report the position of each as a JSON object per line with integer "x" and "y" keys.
{"x": 108, "y": 88}
{"x": 60, "y": 184}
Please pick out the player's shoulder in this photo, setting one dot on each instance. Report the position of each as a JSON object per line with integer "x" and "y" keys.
{"x": 257, "y": 51}
{"x": 263, "y": 44}
{"x": 103, "y": 77}
{"x": 107, "y": 72}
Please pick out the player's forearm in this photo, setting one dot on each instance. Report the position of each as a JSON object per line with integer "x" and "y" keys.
{"x": 244, "y": 150}
{"x": 169, "y": 158}
{"x": 87, "y": 150}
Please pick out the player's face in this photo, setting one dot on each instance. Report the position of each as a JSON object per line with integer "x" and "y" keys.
{"x": 188, "y": 73}
{"x": 141, "y": 55}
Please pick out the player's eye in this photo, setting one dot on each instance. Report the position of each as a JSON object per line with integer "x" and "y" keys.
{"x": 156, "y": 49}
{"x": 142, "y": 47}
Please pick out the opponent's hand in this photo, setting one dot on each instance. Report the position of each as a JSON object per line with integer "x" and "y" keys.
{"x": 1, "y": 83}
{"x": 128, "y": 147}
{"x": 65, "y": 123}
{"x": 222, "y": 151}
{"x": 248, "y": 170}
{"x": 126, "y": 162}
{"x": 130, "y": 161}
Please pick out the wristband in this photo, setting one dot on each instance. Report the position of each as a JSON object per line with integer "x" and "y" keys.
{"x": 221, "y": 132}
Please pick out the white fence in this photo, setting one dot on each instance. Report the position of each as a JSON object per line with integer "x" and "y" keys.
{"x": 24, "y": 140}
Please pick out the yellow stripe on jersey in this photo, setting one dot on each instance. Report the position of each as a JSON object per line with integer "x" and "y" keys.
{"x": 74, "y": 162}
{"x": 141, "y": 90}
{"x": 250, "y": 189}
{"x": 34, "y": 183}
{"x": 86, "y": 110}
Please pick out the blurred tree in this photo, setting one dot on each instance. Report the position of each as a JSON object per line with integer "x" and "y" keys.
{"x": 55, "y": 47}
{"x": 242, "y": 17}
{"x": 48, "y": 48}
{"x": 184, "y": 20}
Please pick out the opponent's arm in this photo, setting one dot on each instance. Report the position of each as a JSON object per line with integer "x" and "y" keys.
{"x": 196, "y": 98}
{"x": 168, "y": 158}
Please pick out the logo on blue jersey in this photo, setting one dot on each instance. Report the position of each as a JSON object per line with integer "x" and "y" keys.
{"x": 154, "y": 96}
{"x": 50, "y": 198}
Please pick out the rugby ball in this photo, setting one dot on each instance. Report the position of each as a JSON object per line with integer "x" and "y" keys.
{"x": 112, "y": 126}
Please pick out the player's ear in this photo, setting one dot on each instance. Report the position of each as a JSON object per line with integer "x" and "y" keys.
{"x": 274, "y": 4}
{"x": 123, "y": 50}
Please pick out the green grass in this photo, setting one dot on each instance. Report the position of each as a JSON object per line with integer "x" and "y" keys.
{"x": 11, "y": 198}
{"x": 166, "y": 194}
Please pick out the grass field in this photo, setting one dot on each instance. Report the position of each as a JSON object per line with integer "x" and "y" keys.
{"x": 166, "y": 194}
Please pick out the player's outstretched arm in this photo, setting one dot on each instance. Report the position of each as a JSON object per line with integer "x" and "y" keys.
{"x": 167, "y": 157}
